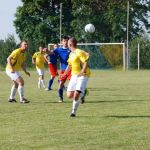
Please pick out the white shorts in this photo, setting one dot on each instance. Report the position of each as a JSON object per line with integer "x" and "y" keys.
{"x": 14, "y": 76}
{"x": 77, "y": 83}
{"x": 40, "y": 72}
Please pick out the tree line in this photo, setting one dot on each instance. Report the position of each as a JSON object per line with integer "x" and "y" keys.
{"x": 38, "y": 22}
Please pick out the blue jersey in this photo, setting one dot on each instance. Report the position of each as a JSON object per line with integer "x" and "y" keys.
{"x": 52, "y": 58}
{"x": 63, "y": 54}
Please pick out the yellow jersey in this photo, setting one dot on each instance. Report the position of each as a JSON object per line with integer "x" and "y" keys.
{"x": 76, "y": 60}
{"x": 39, "y": 60}
{"x": 18, "y": 57}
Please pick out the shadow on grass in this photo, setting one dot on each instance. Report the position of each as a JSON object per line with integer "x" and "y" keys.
{"x": 115, "y": 101}
{"x": 115, "y": 116}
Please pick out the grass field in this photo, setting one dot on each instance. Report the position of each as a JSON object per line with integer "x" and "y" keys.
{"x": 116, "y": 115}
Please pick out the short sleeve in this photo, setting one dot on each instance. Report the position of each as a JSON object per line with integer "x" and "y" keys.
{"x": 83, "y": 56}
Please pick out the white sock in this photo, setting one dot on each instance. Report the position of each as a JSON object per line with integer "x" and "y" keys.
{"x": 43, "y": 83}
{"x": 13, "y": 92}
{"x": 39, "y": 84}
{"x": 21, "y": 92}
{"x": 75, "y": 106}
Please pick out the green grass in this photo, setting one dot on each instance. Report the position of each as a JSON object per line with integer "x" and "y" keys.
{"x": 116, "y": 115}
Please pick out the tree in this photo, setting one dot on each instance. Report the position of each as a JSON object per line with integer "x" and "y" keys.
{"x": 6, "y": 46}
{"x": 109, "y": 18}
{"x": 38, "y": 20}
{"x": 144, "y": 52}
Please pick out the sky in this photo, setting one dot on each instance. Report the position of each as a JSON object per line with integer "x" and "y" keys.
{"x": 7, "y": 15}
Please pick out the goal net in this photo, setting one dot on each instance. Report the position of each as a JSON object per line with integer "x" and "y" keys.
{"x": 104, "y": 55}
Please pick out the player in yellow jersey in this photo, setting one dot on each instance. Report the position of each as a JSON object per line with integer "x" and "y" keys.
{"x": 15, "y": 63}
{"x": 78, "y": 64}
{"x": 39, "y": 60}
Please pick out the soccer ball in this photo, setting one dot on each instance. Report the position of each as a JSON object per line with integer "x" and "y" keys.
{"x": 89, "y": 28}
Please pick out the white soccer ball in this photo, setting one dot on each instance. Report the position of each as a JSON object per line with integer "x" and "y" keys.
{"x": 89, "y": 28}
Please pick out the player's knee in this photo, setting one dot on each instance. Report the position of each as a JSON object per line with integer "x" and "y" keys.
{"x": 70, "y": 95}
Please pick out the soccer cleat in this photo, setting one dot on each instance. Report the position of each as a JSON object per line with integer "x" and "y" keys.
{"x": 46, "y": 89}
{"x": 24, "y": 101}
{"x": 72, "y": 115}
{"x": 61, "y": 100}
{"x": 12, "y": 101}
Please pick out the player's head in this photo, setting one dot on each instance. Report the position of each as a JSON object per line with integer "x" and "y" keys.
{"x": 41, "y": 49}
{"x": 72, "y": 43}
{"x": 24, "y": 45}
{"x": 64, "y": 41}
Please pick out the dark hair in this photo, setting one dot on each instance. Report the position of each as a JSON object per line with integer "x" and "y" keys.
{"x": 65, "y": 37}
{"x": 73, "y": 41}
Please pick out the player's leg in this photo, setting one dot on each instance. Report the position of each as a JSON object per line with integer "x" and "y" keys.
{"x": 13, "y": 92}
{"x": 41, "y": 73}
{"x": 41, "y": 78}
{"x": 20, "y": 83}
{"x": 13, "y": 77}
{"x": 86, "y": 92}
{"x": 76, "y": 103}
{"x": 53, "y": 72}
{"x": 50, "y": 83}
{"x": 80, "y": 88}
{"x": 60, "y": 90}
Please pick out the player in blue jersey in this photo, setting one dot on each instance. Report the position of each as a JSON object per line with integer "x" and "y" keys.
{"x": 51, "y": 59}
{"x": 63, "y": 55}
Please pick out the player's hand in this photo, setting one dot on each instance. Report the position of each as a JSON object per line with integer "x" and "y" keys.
{"x": 27, "y": 73}
{"x": 61, "y": 76}
{"x": 12, "y": 70}
{"x": 82, "y": 74}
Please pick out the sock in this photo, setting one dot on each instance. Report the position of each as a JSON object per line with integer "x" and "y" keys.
{"x": 60, "y": 91}
{"x": 75, "y": 106}
{"x": 21, "y": 92}
{"x": 13, "y": 92}
{"x": 43, "y": 83}
{"x": 39, "y": 84}
{"x": 50, "y": 83}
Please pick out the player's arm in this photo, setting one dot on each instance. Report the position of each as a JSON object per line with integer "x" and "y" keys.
{"x": 84, "y": 57}
{"x": 24, "y": 69}
{"x": 10, "y": 63}
{"x": 83, "y": 70}
{"x": 68, "y": 69}
{"x": 34, "y": 59}
{"x": 46, "y": 58}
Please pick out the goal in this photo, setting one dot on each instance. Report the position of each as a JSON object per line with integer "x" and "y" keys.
{"x": 104, "y": 55}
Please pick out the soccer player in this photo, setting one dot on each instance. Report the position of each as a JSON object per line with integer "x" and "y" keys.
{"x": 63, "y": 55}
{"x": 51, "y": 59}
{"x": 39, "y": 60}
{"x": 15, "y": 63}
{"x": 78, "y": 63}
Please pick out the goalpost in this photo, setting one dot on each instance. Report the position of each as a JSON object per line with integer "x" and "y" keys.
{"x": 104, "y": 55}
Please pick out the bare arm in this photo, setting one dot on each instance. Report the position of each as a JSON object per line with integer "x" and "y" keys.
{"x": 83, "y": 71}
{"x": 46, "y": 58}
{"x": 66, "y": 71}
{"x": 24, "y": 69}
{"x": 10, "y": 64}
{"x": 33, "y": 60}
